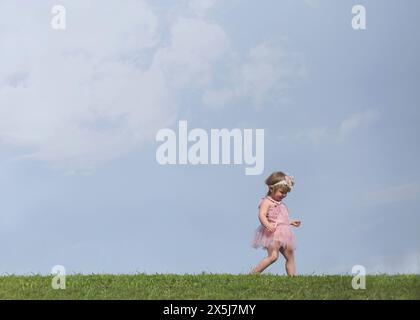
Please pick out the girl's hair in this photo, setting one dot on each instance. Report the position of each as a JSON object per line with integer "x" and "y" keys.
{"x": 274, "y": 178}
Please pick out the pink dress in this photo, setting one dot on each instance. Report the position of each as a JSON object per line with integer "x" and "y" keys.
{"x": 282, "y": 235}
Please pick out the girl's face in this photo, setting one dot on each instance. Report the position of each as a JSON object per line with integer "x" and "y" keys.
{"x": 279, "y": 195}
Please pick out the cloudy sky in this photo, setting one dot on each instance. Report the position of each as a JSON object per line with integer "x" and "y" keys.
{"x": 80, "y": 109}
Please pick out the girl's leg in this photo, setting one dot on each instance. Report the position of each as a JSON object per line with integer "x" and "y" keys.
{"x": 273, "y": 255}
{"x": 290, "y": 261}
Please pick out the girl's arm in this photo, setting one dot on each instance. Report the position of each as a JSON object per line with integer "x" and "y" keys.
{"x": 295, "y": 223}
{"x": 263, "y": 215}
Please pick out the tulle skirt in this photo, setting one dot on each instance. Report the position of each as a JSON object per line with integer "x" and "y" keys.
{"x": 282, "y": 237}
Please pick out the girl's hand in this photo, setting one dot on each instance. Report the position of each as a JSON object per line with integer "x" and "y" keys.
{"x": 271, "y": 227}
{"x": 295, "y": 223}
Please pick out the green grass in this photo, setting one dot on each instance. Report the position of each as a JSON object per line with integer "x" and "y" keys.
{"x": 209, "y": 286}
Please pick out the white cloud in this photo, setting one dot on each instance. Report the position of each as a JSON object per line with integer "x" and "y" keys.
{"x": 317, "y": 135}
{"x": 105, "y": 85}
{"x": 201, "y": 7}
{"x": 195, "y": 46}
{"x": 266, "y": 70}
{"x": 80, "y": 103}
{"x": 338, "y": 133}
{"x": 404, "y": 263}
{"x": 393, "y": 193}
{"x": 356, "y": 121}
{"x": 83, "y": 96}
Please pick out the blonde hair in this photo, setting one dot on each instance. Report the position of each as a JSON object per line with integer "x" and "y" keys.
{"x": 274, "y": 178}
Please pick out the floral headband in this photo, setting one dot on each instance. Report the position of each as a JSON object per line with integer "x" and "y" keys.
{"x": 288, "y": 181}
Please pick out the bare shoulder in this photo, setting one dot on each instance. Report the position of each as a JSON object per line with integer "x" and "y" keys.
{"x": 265, "y": 203}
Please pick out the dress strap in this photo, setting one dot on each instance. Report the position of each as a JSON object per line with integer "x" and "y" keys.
{"x": 272, "y": 200}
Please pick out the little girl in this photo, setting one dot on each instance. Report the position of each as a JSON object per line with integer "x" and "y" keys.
{"x": 274, "y": 233}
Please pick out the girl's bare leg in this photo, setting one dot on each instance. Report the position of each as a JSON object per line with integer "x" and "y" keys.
{"x": 290, "y": 261}
{"x": 273, "y": 255}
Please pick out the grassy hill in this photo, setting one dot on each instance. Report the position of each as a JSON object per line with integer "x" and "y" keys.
{"x": 209, "y": 286}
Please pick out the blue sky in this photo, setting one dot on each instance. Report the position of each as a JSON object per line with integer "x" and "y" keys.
{"x": 80, "y": 108}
